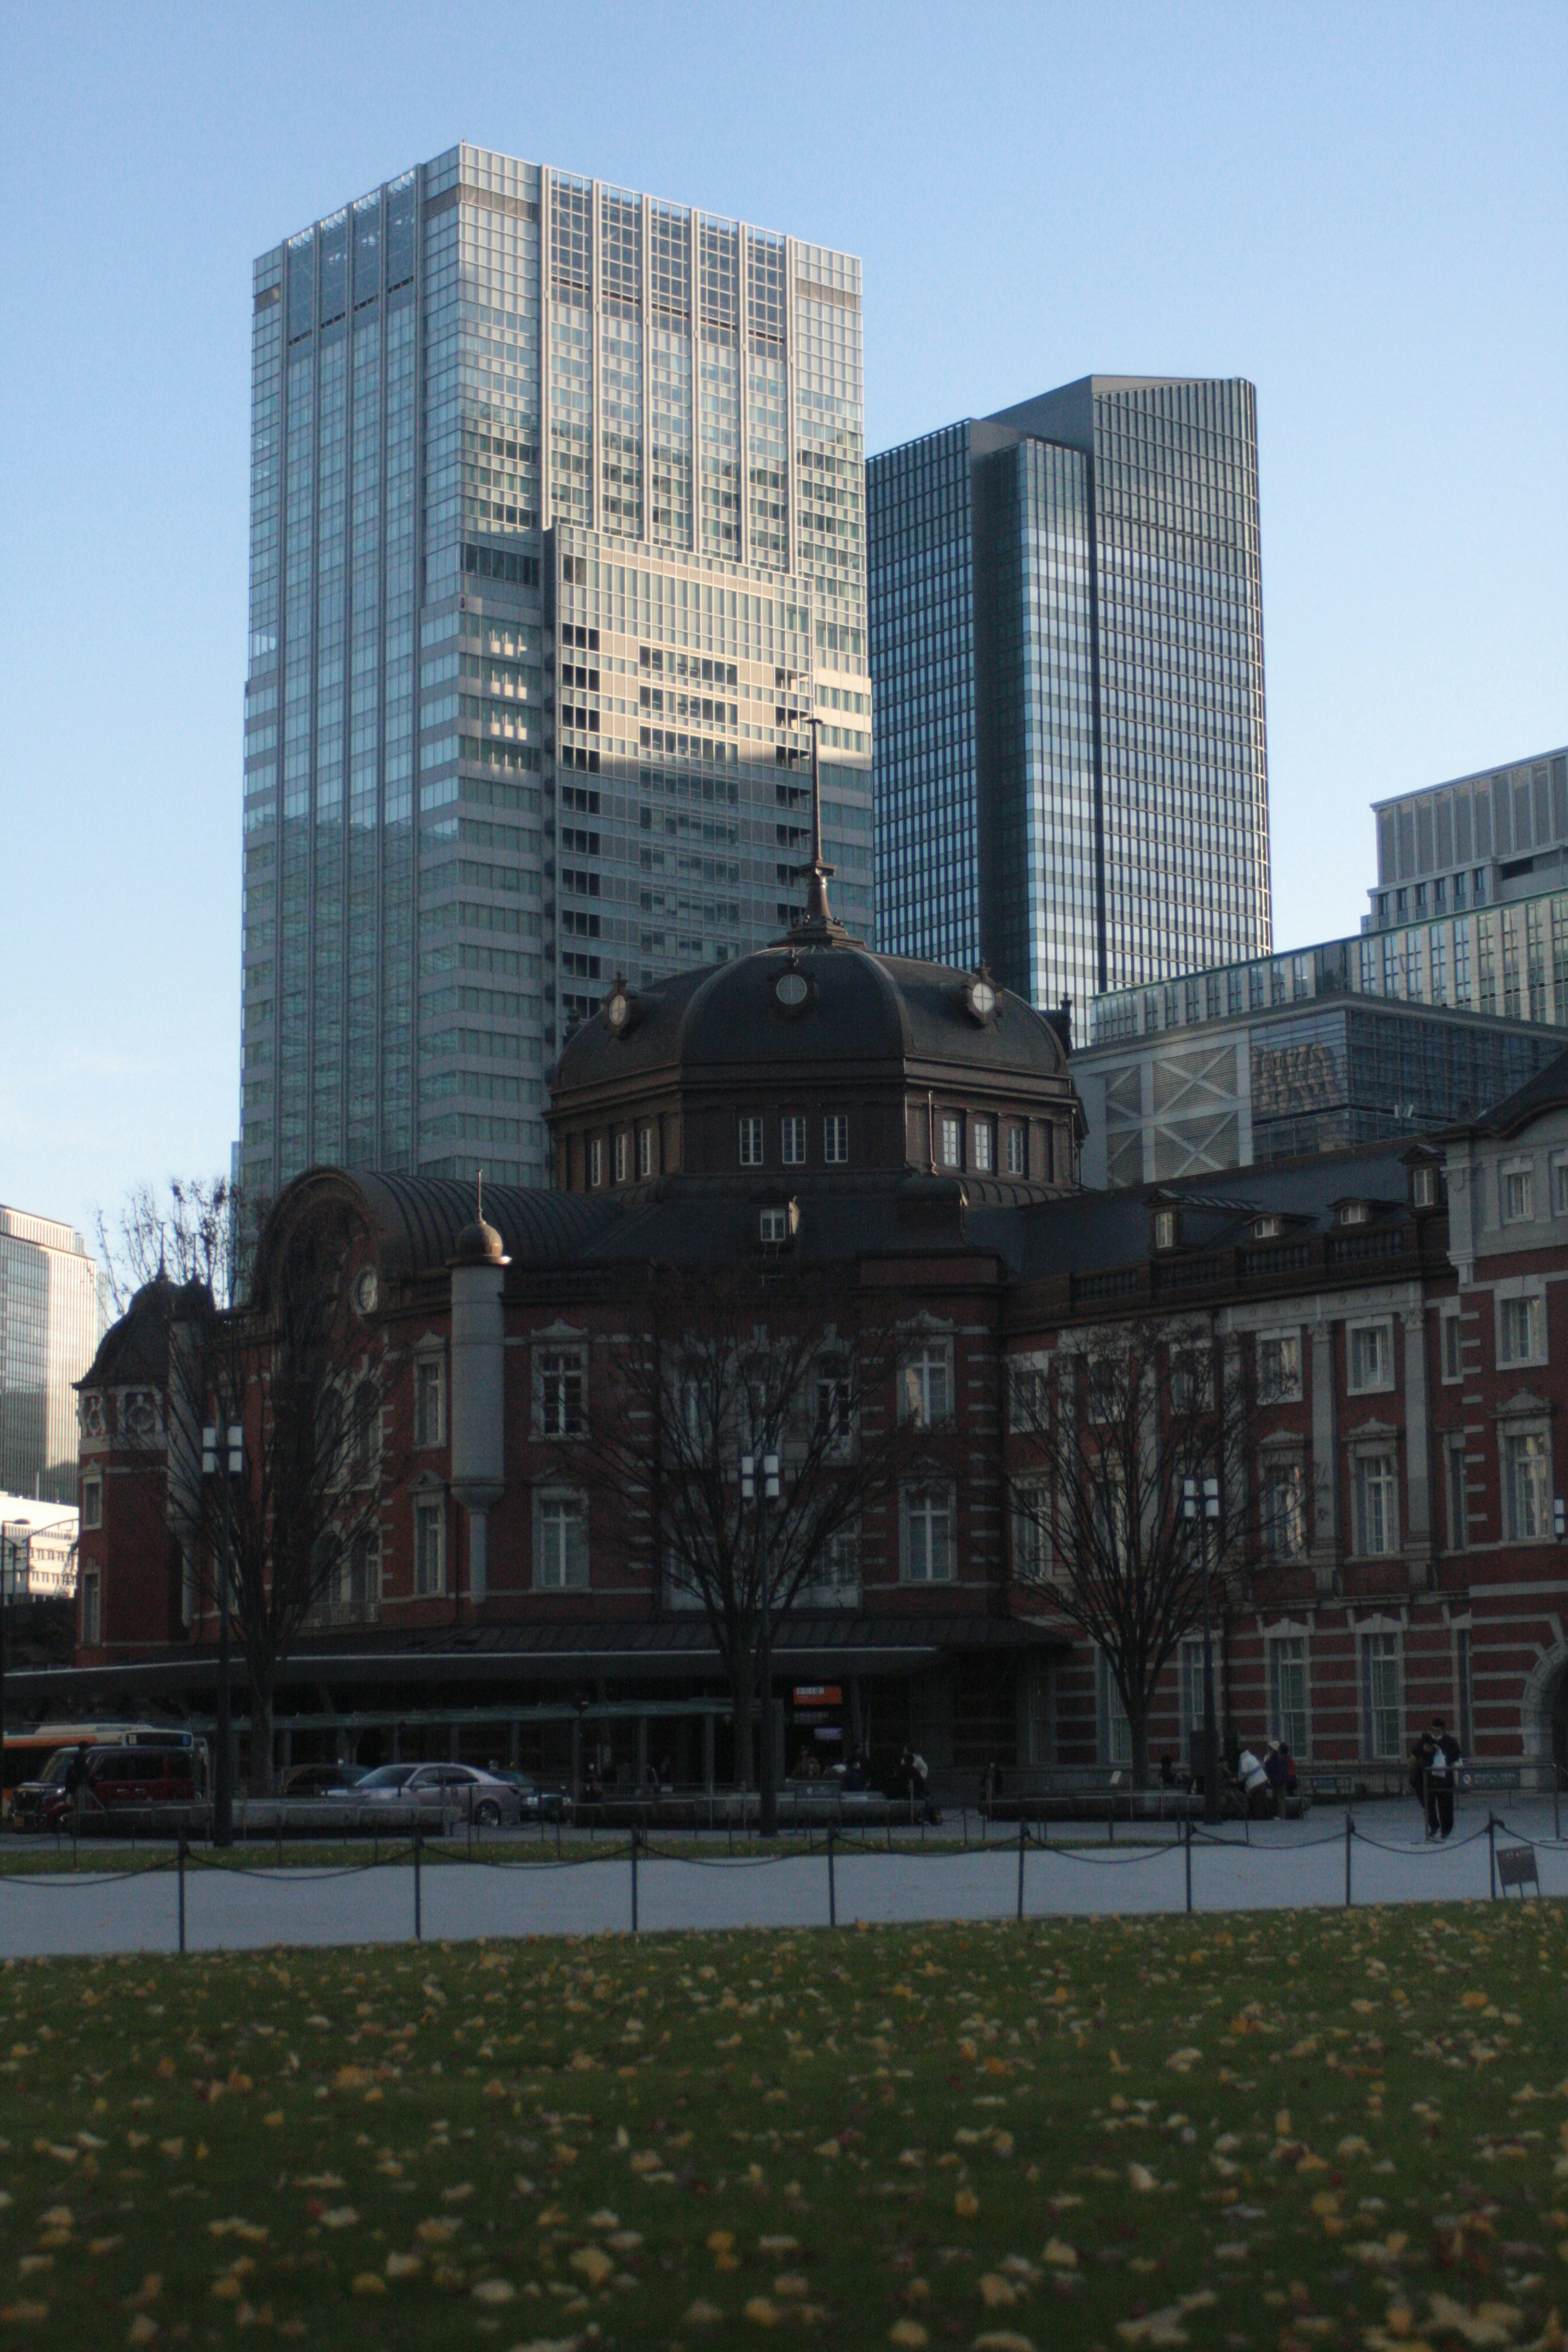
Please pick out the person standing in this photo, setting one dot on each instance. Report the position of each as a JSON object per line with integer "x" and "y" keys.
{"x": 1254, "y": 1779}
{"x": 1442, "y": 1771}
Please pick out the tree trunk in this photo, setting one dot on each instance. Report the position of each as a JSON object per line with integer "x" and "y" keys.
{"x": 1138, "y": 1739}
{"x": 767, "y": 1755}
{"x": 741, "y": 1718}
{"x": 261, "y": 1782}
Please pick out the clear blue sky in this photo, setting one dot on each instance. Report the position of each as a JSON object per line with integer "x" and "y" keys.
{"x": 1360, "y": 207}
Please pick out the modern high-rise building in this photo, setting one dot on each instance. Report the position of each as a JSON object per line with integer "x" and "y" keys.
{"x": 51, "y": 1320}
{"x": 1496, "y": 837}
{"x": 557, "y": 544}
{"x": 1067, "y": 649}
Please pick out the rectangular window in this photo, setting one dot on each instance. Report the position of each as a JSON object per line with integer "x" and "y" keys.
{"x": 1376, "y": 1513}
{"x": 773, "y": 1226}
{"x": 1029, "y": 1398}
{"x": 1518, "y": 1196}
{"x": 1454, "y": 1497}
{"x": 429, "y": 1548}
{"x": 427, "y": 1400}
{"x": 1521, "y": 1330}
{"x": 597, "y": 1160}
{"x": 1031, "y": 1532}
{"x": 1371, "y": 1357}
{"x": 92, "y": 1502}
{"x": 984, "y": 1147}
{"x": 925, "y": 1385}
{"x": 620, "y": 1159}
{"x": 835, "y": 1138}
{"x": 1527, "y": 1479}
{"x": 645, "y": 1151}
{"x": 1559, "y": 1187}
{"x": 751, "y": 1143}
{"x": 1288, "y": 1717}
{"x": 563, "y": 1381}
{"x": 562, "y": 1552}
{"x": 1280, "y": 1367}
{"x": 1453, "y": 1360}
{"x": 1018, "y": 1151}
{"x": 927, "y": 1535}
{"x": 1464, "y": 1691}
{"x": 1190, "y": 1688}
{"x": 1381, "y": 1708}
{"x": 1284, "y": 1510}
{"x": 835, "y": 1405}
{"x": 792, "y": 1139}
{"x": 91, "y": 1608}
{"x": 951, "y": 1141}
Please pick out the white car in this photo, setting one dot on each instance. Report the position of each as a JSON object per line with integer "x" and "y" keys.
{"x": 459, "y": 1788}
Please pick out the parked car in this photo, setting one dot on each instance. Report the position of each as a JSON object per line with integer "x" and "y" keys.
{"x": 538, "y": 1804}
{"x": 460, "y": 1789}
{"x": 122, "y": 1780}
{"x": 321, "y": 1779}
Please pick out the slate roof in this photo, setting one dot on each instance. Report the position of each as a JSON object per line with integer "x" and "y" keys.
{"x": 134, "y": 1351}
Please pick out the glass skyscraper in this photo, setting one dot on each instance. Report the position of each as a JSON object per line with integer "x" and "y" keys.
{"x": 1067, "y": 646}
{"x": 51, "y": 1320}
{"x": 557, "y": 542}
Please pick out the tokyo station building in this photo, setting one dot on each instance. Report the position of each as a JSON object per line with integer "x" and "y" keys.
{"x": 816, "y": 1112}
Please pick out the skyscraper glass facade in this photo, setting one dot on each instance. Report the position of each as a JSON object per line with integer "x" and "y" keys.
{"x": 1090, "y": 561}
{"x": 592, "y": 465}
{"x": 51, "y": 1320}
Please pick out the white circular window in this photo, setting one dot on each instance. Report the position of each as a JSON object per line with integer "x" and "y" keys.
{"x": 791, "y": 990}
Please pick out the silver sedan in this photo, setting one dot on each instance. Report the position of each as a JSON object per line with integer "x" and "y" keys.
{"x": 451, "y": 1789}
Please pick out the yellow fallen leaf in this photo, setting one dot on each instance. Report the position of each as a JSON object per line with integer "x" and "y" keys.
{"x": 908, "y": 2332}
{"x": 367, "y": 2283}
{"x": 828, "y": 2147}
{"x": 142, "y": 2329}
{"x": 1140, "y": 2178}
{"x": 704, "y": 2313}
{"x": 1059, "y": 2254}
{"x": 761, "y": 2311}
{"x": 494, "y": 2291}
{"x": 593, "y": 2263}
{"x": 438, "y": 2233}
{"x": 997, "y": 2292}
{"x": 967, "y": 2204}
{"x": 401, "y": 2266}
{"x": 720, "y": 2241}
{"x": 24, "y": 2313}
{"x": 339, "y": 2217}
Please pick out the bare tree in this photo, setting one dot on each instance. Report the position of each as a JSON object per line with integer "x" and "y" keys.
{"x": 198, "y": 1229}
{"x": 1106, "y": 1432}
{"x": 309, "y": 1383}
{"x": 734, "y": 1364}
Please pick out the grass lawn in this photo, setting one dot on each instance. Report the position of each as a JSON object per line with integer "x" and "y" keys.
{"x": 1341, "y": 2129}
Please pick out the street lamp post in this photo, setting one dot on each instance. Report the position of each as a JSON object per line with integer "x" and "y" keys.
{"x": 1199, "y": 1525}
{"x": 230, "y": 1443}
{"x": 765, "y": 1494}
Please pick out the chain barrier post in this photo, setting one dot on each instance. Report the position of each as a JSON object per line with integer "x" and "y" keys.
{"x": 1021, "y": 1837}
{"x": 182, "y": 1891}
{"x": 1188, "y": 1843}
{"x": 635, "y": 1834}
{"x": 418, "y": 1919}
{"x": 1491, "y": 1850}
{"x": 832, "y": 1890}
{"x": 1350, "y": 1832}
{"x": 1556, "y": 1803}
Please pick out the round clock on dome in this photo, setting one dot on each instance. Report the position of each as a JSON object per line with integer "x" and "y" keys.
{"x": 791, "y": 990}
{"x": 367, "y": 1290}
{"x": 980, "y": 996}
{"x": 618, "y": 1009}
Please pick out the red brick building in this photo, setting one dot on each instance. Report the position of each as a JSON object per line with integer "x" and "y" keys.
{"x": 911, "y": 1133}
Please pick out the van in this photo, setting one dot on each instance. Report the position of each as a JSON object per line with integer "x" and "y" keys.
{"x": 126, "y": 1780}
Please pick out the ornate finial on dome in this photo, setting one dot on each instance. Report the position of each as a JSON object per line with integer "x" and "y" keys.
{"x": 479, "y": 1244}
{"x": 821, "y": 923}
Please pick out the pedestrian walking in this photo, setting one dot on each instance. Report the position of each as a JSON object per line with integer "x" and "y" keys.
{"x": 1442, "y": 1771}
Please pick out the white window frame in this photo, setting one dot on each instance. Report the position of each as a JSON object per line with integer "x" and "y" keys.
{"x": 1189, "y": 1689}
{"x": 1423, "y": 1186}
{"x": 835, "y": 1138}
{"x": 1360, "y": 1386}
{"x": 91, "y": 1503}
{"x": 1034, "y": 1555}
{"x": 558, "y": 1412}
{"x": 1559, "y": 1174}
{"x": 91, "y": 1608}
{"x": 1164, "y": 1229}
{"x": 645, "y": 1153}
{"x": 1029, "y": 1394}
{"x": 1275, "y": 1469}
{"x": 982, "y": 1144}
{"x": 559, "y": 1566}
{"x": 429, "y": 1551}
{"x": 1520, "y": 1172}
{"x": 1115, "y": 1732}
{"x": 597, "y": 1160}
{"x": 773, "y": 1227}
{"x": 792, "y": 1139}
{"x": 928, "y": 1513}
{"x": 950, "y": 1125}
{"x": 1381, "y": 1646}
{"x": 1285, "y": 1387}
{"x": 1017, "y": 1147}
{"x": 1509, "y": 1297}
{"x": 1526, "y": 1515}
{"x": 925, "y": 1383}
{"x": 622, "y": 1161}
{"x": 429, "y": 1377}
{"x": 1289, "y": 1647}
{"x": 1363, "y": 1457}
{"x": 749, "y": 1132}
{"x": 1450, "y": 1346}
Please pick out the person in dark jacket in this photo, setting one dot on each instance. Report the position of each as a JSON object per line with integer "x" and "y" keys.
{"x": 1442, "y": 1772}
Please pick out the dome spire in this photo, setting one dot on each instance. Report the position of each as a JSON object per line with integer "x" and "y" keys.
{"x": 821, "y": 924}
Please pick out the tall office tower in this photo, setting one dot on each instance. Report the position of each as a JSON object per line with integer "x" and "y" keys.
{"x": 556, "y": 545}
{"x": 1067, "y": 648}
{"x": 51, "y": 1320}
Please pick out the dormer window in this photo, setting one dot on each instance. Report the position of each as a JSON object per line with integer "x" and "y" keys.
{"x": 775, "y": 1227}
{"x": 1164, "y": 1229}
{"x": 1354, "y": 1213}
{"x": 1423, "y": 1186}
{"x": 1268, "y": 1229}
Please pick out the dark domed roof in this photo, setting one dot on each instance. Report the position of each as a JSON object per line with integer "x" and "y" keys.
{"x": 479, "y": 1245}
{"x": 856, "y": 1008}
